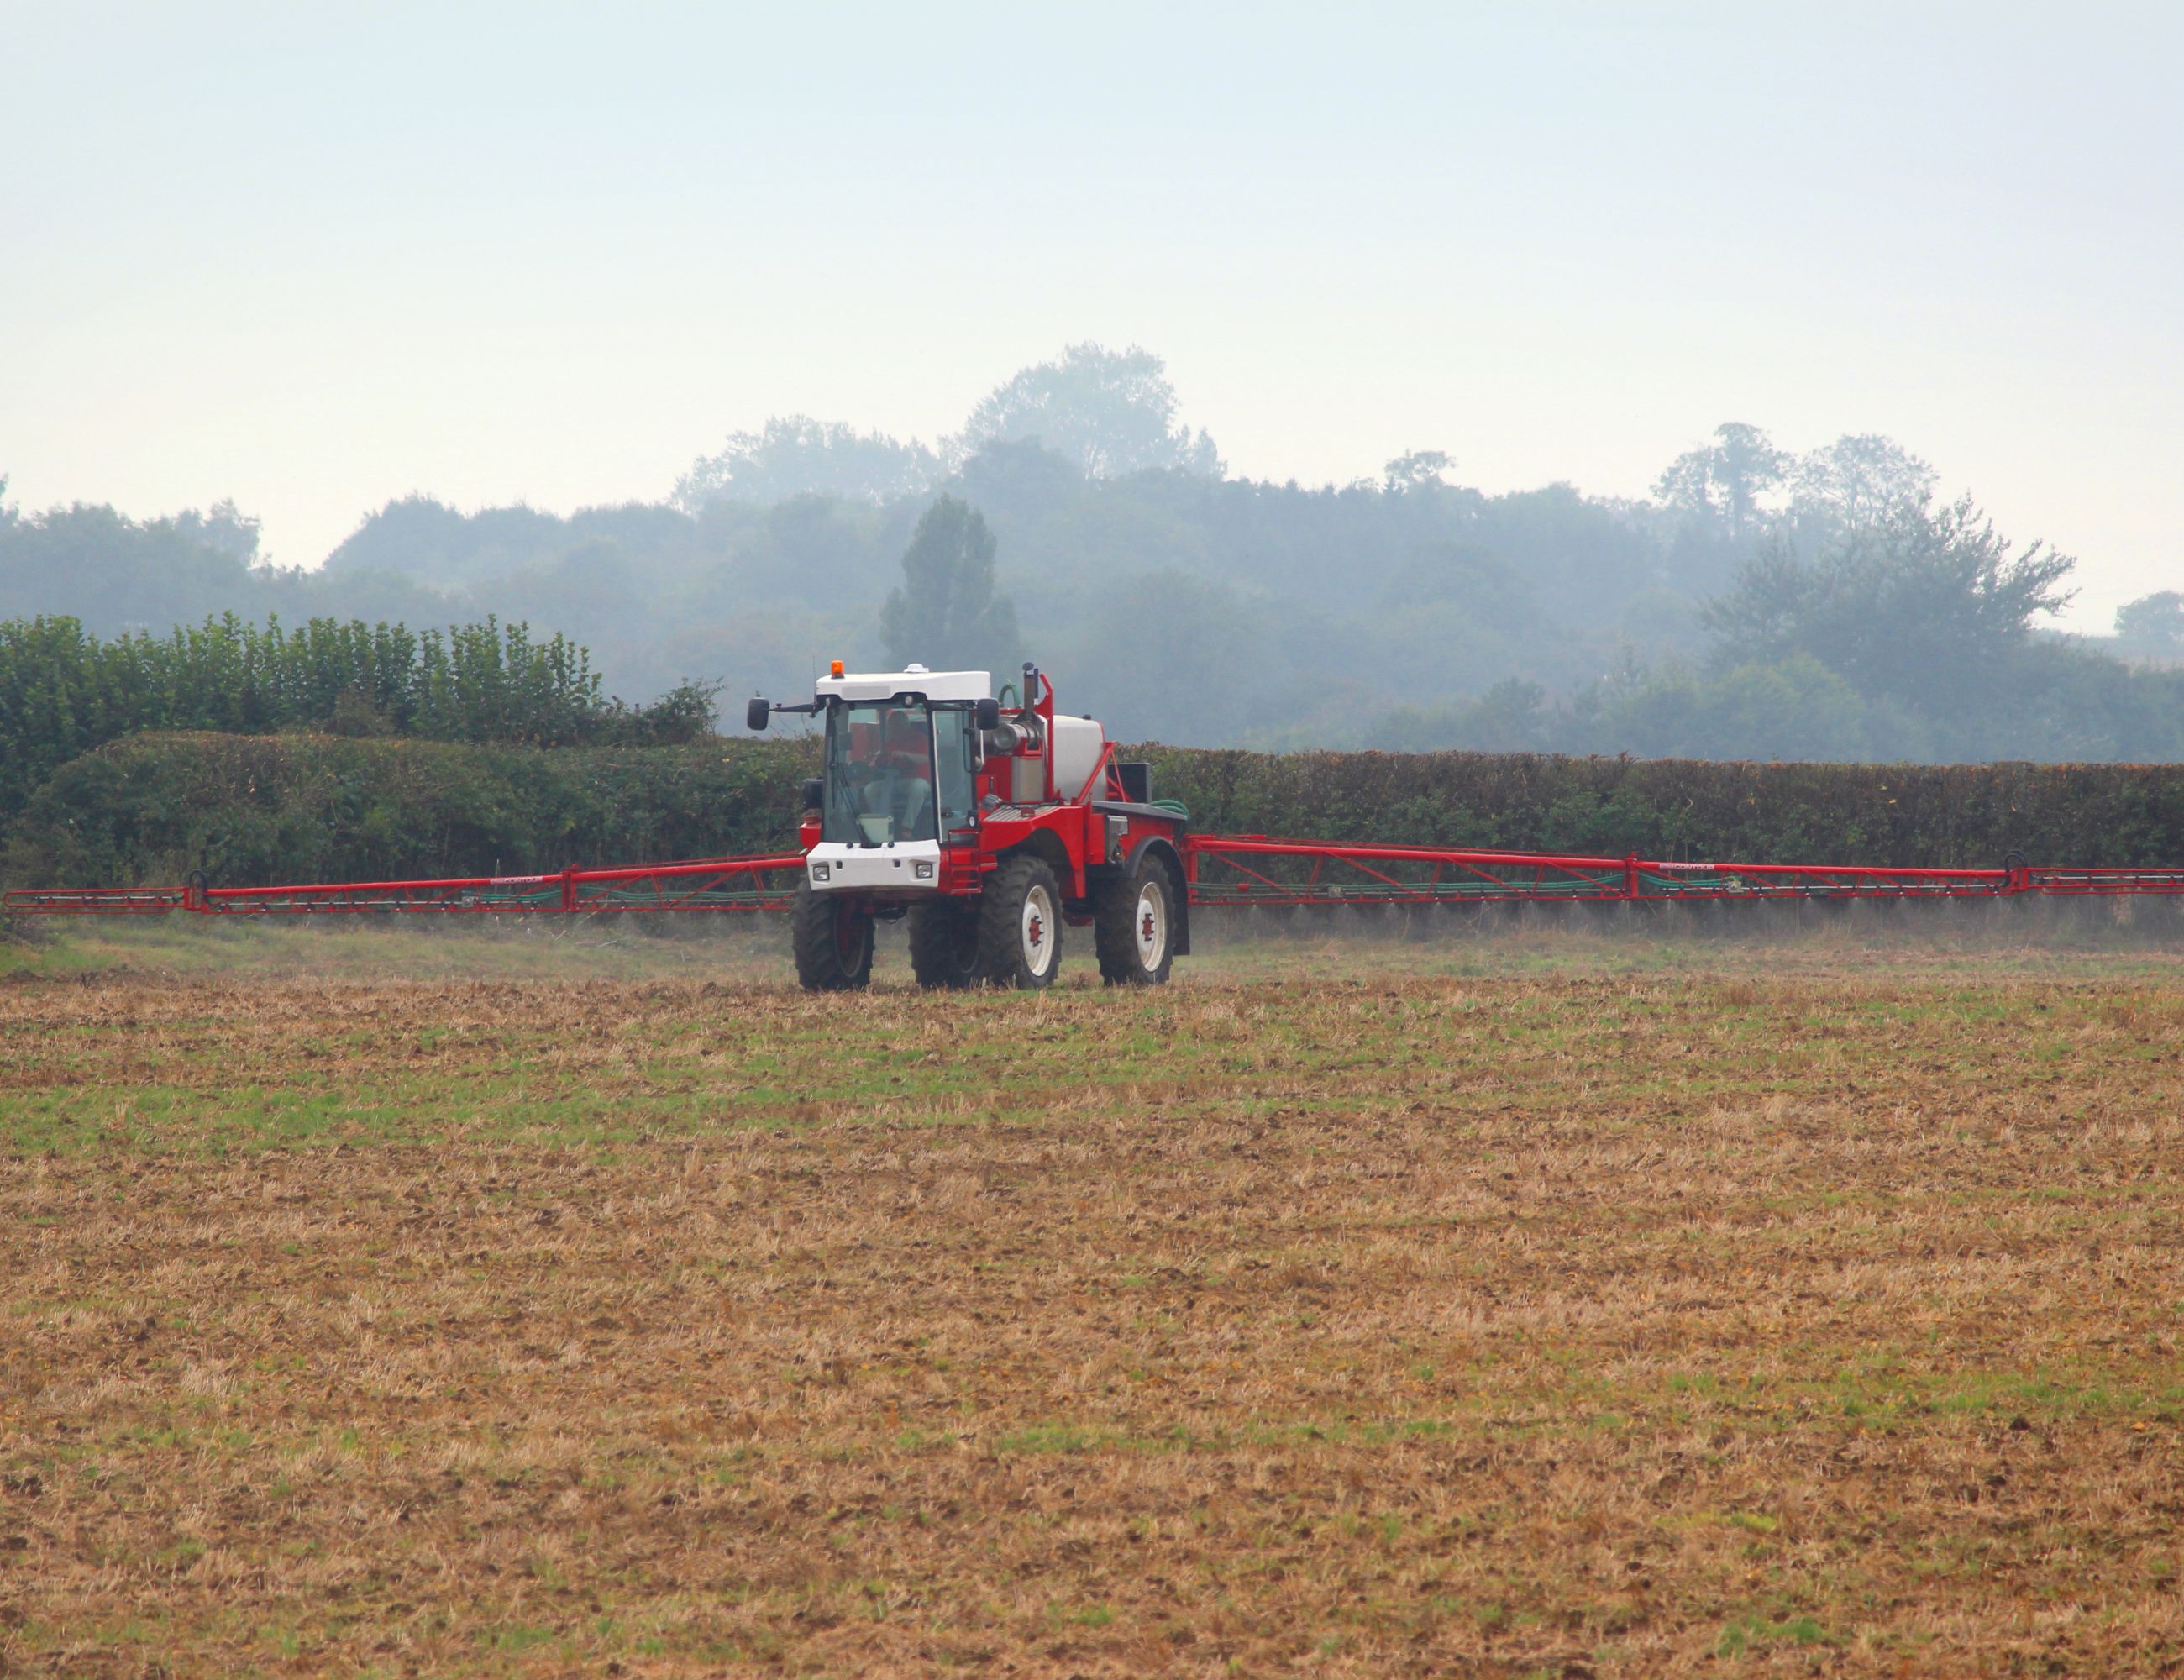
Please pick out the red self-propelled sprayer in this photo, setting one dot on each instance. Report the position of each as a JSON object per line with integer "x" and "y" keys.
{"x": 991, "y": 823}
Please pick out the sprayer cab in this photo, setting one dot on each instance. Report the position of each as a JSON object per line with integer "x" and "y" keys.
{"x": 990, "y": 821}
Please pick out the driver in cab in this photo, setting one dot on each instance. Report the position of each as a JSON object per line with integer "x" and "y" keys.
{"x": 901, "y": 786}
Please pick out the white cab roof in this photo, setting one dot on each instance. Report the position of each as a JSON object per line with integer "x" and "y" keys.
{"x": 885, "y": 685}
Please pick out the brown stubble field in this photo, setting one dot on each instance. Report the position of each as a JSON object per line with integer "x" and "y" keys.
{"x": 1551, "y": 1311}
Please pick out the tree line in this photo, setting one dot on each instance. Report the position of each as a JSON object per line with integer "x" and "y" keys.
{"x": 1763, "y": 601}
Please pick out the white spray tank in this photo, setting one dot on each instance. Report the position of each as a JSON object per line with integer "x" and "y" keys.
{"x": 1078, "y": 742}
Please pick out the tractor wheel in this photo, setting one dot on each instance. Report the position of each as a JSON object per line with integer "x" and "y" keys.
{"x": 1133, "y": 926}
{"x": 832, "y": 939}
{"x": 1019, "y": 925}
{"x": 943, "y": 943}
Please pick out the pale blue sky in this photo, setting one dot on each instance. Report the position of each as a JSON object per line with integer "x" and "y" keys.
{"x": 314, "y": 259}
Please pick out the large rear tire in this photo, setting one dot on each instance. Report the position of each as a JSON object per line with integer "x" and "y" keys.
{"x": 943, "y": 943}
{"x": 833, "y": 940}
{"x": 1133, "y": 926}
{"x": 1019, "y": 925}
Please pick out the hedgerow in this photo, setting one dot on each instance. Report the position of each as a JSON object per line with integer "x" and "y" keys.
{"x": 1930, "y": 816}
{"x": 254, "y": 810}
{"x": 257, "y": 809}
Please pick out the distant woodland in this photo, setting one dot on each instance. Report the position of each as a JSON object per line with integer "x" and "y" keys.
{"x": 1828, "y": 603}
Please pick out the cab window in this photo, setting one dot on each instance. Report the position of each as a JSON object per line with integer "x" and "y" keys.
{"x": 879, "y": 775}
{"x": 954, "y": 766}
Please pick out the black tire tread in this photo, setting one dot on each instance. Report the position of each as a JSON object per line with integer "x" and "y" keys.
{"x": 819, "y": 964}
{"x": 1114, "y": 927}
{"x": 939, "y": 934}
{"x": 1001, "y": 909}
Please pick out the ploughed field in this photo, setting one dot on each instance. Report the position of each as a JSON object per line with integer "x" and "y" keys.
{"x": 1562, "y": 1308}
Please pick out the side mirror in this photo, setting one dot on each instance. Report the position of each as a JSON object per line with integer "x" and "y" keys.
{"x": 814, "y": 793}
{"x": 989, "y": 714}
{"x": 756, "y": 713}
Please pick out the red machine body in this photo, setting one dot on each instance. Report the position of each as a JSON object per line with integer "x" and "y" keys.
{"x": 1079, "y": 827}
{"x": 988, "y": 827}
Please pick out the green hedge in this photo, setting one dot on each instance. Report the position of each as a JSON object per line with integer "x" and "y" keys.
{"x": 253, "y": 809}
{"x": 1933, "y": 816}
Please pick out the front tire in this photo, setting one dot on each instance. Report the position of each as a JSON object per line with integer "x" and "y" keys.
{"x": 833, "y": 940}
{"x": 1133, "y": 926}
{"x": 1020, "y": 925}
{"x": 943, "y": 943}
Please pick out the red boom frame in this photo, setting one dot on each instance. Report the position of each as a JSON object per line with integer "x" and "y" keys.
{"x": 1220, "y": 869}
{"x": 1251, "y": 869}
{"x": 760, "y": 883}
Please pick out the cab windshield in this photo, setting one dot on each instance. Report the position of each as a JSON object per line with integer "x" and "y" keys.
{"x": 896, "y": 771}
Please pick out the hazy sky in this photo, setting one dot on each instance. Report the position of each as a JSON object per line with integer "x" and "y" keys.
{"x": 313, "y": 259}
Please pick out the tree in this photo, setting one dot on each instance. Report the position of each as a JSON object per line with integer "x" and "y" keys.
{"x": 421, "y": 537}
{"x": 1726, "y": 478}
{"x": 1513, "y": 716}
{"x": 1797, "y": 708}
{"x": 1418, "y": 470}
{"x": 1860, "y": 481}
{"x": 1109, "y": 412}
{"x": 1173, "y": 658}
{"x": 946, "y": 615}
{"x": 796, "y": 455}
{"x": 114, "y": 574}
{"x": 1930, "y": 608}
{"x": 2152, "y": 626}
{"x": 225, "y": 530}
